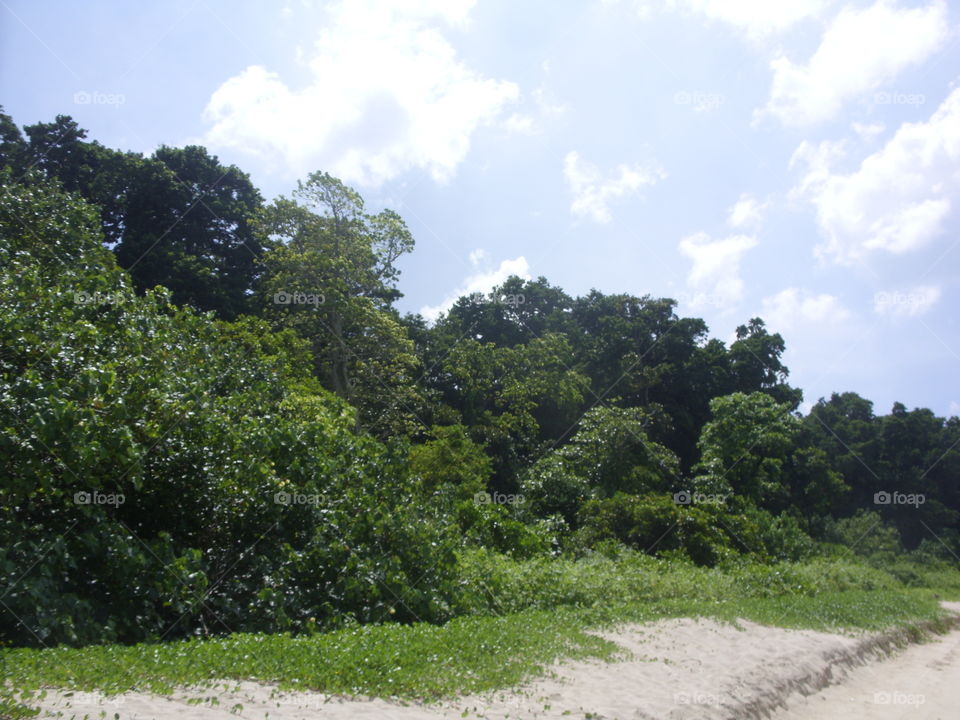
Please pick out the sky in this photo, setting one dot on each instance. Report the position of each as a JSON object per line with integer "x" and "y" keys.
{"x": 796, "y": 160}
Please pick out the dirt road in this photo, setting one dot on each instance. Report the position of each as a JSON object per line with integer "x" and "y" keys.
{"x": 921, "y": 682}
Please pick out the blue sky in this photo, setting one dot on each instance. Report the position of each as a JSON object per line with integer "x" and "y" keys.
{"x": 797, "y": 160}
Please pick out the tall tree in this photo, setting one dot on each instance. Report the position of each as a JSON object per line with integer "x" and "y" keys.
{"x": 332, "y": 276}
{"x": 846, "y": 429}
{"x": 507, "y": 395}
{"x": 187, "y": 224}
{"x": 179, "y": 219}
{"x": 757, "y": 365}
{"x": 912, "y": 448}
{"x": 13, "y": 147}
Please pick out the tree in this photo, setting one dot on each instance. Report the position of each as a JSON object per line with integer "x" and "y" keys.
{"x": 332, "y": 277}
{"x": 760, "y": 451}
{"x": 503, "y": 394}
{"x": 654, "y": 523}
{"x": 611, "y": 452}
{"x": 179, "y": 219}
{"x": 59, "y": 150}
{"x": 745, "y": 447}
{"x": 13, "y": 147}
{"x": 639, "y": 353}
{"x": 847, "y": 431}
{"x": 913, "y": 447}
{"x": 515, "y": 312}
{"x": 755, "y": 360}
{"x": 167, "y": 474}
{"x": 450, "y": 459}
{"x": 191, "y": 230}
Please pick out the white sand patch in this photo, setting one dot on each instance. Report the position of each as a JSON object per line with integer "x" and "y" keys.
{"x": 680, "y": 669}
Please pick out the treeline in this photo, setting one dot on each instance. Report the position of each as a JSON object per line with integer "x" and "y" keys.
{"x": 214, "y": 419}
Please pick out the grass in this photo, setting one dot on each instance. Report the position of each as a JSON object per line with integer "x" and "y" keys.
{"x": 483, "y": 651}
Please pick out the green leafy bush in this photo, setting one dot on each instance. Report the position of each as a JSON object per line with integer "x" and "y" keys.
{"x": 864, "y": 534}
{"x": 167, "y": 474}
{"x": 654, "y": 524}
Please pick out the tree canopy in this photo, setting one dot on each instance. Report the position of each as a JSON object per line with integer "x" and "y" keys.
{"x": 213, "y": 417}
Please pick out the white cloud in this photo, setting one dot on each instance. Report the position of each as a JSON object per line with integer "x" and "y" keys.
{"x": 481, "y": 281}
{"x": 910, "y": 303}
{"x": 715, "y": 275}
{"x": 758, "y": 18}
{"x": 533, "y": 121}
{"x": 592, "y": 193}
{"x": 477, "y": 256}
{"x": 899, "y": 197}
{"x": 521, "y": 124}
{"x": 794, "y": 307}
{"x": 861, "y": 49}
{"x": 387, "y": 94}
{"x": 868, "y": 132}
{"x": 746, "y": 212}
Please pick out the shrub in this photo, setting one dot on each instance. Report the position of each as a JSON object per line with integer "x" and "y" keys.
{"x": 237, "y": 495}
{"x": 864, "y": 534}
{"x": 654, "y": 524}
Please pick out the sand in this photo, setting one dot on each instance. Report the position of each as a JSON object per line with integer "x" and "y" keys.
{"x": 921, "y": 682}
{"x": 672, "y": 669}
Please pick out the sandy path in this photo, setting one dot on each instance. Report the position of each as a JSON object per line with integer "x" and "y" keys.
{"x": 676, "y": 669}
{"x": 921, "y": 682}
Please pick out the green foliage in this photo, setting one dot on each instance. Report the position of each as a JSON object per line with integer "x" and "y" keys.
{"x": 782, "y": 537}
{"x": 865, "y": 534}
{"x": 611, "y": 452}
{"x": 744, "y": 449}
{"x": 145, "y": 451}
{"x": 494, "y": 526}
{"x": 503, "y": 388}
{"x": 178, "y": 219}
{"x": 331, "y": 276}
{"x": 521, "y": 615}
{"x": 756, "y": 366}
{"x": 551, "y": 487}
{"x": 325, "y": 463}
{"x": 654, "y": 524}
{"x": 451, "y": 459}
{"x": 498, "y": 584}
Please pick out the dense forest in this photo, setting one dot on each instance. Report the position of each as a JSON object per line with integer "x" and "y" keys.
{"x": 215, "y": 419}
